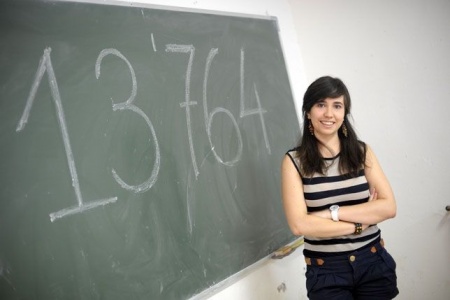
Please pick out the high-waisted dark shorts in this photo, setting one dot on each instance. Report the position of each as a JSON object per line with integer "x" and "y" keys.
{"x": 366, "y": 274}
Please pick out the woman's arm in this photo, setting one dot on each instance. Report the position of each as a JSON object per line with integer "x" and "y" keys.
{"x": 383, "y": 206}
{"x": 300, "y": 222}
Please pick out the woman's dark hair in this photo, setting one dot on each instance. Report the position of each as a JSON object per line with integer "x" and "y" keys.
{"x": 353, "y": 151}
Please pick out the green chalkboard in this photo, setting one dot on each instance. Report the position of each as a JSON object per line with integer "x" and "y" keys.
{"x": 139, "y": 149}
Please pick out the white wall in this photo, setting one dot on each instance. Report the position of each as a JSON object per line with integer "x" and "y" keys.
{"x": 394, "y": 56}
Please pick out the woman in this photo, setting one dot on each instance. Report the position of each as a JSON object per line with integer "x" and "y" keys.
{"x": 334, "y": 194}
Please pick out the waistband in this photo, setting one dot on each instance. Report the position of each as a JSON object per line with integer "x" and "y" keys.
{"x": 366, "y": 250}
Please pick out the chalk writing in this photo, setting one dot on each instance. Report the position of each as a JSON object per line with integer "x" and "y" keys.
{"x": 248, "y": 112}
{"x": 153, "y": 42}
{"x": 128, "y": 105}
{"x": 187, "y": 102}
{"x": 45, "y": 65}
{"x": 209, "y": 116}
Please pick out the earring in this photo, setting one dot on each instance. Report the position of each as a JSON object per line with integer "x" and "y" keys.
{"x": 344, "y": 130}
{"x": 311, "y": 128}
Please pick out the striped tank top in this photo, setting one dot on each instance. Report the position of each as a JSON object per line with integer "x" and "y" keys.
{"x": 322, "y": 191}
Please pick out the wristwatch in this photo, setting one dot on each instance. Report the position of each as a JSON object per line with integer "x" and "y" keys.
{"x": 334, "y": 212}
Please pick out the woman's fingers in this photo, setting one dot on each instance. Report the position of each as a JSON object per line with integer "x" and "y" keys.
{"x": 373, "y": 195}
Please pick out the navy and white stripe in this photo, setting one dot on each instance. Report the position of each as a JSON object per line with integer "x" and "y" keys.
{"x": 322, "y": 191}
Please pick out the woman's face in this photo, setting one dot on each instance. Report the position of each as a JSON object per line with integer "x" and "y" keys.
{"x": 327, "y": 116}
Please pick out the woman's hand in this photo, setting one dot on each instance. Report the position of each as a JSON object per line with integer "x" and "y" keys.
{"x": 373, "y": 195}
